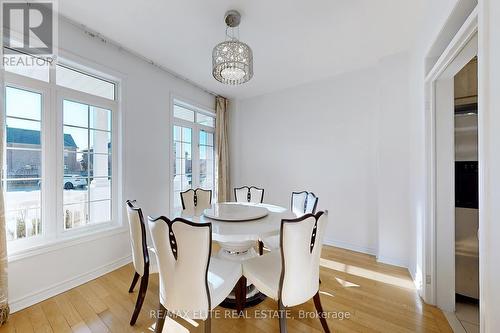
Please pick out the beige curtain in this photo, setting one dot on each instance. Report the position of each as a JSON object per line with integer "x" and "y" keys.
{"x": 4, "y": 306}
{"x": 222, "y": 156}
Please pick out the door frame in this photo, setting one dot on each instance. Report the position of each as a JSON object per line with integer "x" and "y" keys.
{"x": 439, "y": 239}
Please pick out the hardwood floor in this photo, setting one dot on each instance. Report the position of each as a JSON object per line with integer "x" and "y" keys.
{"x": 376, "y": 297}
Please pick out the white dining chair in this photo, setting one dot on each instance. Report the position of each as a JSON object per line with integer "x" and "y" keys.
{"x": 140, "y": 254}
{"x": 250, "y": 194}
{"x": 191, "y": 282}
{"x": 291, "y": 275}
{"x": 198, "y": 198}
{"x": 302, "y": 203}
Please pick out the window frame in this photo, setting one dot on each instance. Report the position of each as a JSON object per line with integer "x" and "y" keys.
{"x": 89, "y": 74}
{"x": 36, "y": 86}
{"x": 195, "y": 143}
{"x": 101, "y": 102}
{"x": 52, "y": 142}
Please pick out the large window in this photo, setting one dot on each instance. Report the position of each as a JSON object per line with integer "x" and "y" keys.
{"x": 87, "y": 164}
{"x": 60, "y": 171}
{"x": 193, "y": 150}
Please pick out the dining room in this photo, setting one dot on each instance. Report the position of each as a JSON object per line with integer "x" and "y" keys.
{"x": 231, "y": 166}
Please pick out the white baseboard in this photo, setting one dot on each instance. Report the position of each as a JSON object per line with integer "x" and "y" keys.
{"x": 392, "y": 261}
{"x": 366, "y": 250}
{"x": 454, "y": 322}
{"x": 417, "y": 282}
{"x": 349, "y": 246}
{"x": 60, "y": 287}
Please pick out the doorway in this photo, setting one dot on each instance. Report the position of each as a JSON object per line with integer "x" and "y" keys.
{"x": 466, "y": 197}
{"x": 439, "y": 234}
{"x": 443, "y": 171}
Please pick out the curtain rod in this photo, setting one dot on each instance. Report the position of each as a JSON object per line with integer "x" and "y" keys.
{"x": 105, "y": 40}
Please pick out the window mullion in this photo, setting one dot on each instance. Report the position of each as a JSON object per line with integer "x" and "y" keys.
{"x": 87, "y": 208}
{"x": 58, "y": 158}
{"x": 196, "y": 156}
{"x": 49, "y": 165}
{"x": 52, "y": 75}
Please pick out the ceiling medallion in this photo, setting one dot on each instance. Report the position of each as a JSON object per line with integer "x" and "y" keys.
{"x": 232, "y": 60}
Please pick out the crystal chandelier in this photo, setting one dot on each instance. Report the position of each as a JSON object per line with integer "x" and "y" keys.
{"x": 232, "y": 60}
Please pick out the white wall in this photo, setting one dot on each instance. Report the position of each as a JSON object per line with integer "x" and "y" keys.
{"x": 346, "y": 140}
{"x": 393, "y": 172}
{"x": 146, "y": 92}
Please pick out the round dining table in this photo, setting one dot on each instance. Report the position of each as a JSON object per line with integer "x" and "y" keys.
{"x": 237, "y": 227}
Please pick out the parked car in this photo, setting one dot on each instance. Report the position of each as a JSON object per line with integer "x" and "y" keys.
{"x": 74, "y": 181}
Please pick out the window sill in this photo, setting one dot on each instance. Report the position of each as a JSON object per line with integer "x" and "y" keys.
{"x": 61, "y": 243}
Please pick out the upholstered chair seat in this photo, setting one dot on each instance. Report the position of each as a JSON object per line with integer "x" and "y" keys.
{"x": 222, "y": 277}
{"x": 271, "y": 243}
{"x": 291, "y": 275}
{"x": 264, "y": 273}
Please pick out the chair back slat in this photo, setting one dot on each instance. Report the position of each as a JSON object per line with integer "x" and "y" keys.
{"x": 304, "y": 203}
{"x": 241, "y": 194}
{"x": 249, "y": 194}
{"x": 256, "y": 194}
{"x": 197, "y": 198}
{"x": 311, "y": 203}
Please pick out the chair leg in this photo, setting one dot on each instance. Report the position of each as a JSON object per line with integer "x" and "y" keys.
{"x": 282, "y": 316}
{"x": 208, "y": 324}
{"x": 240, "y": 294}
{"x": 160, "y": 319}
{"x": 140, "y": 298}
{"x": 261, "y": 248}
{"x": 134, "y": 281}
{"x": 321, "y": 313}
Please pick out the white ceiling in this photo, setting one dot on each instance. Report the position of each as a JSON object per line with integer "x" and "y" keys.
{"x": 293, "y": 41}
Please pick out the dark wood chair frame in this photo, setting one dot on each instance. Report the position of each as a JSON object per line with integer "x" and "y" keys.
{"x": 316, "y": 298}
{"x": 240, "y": 288}
{"x": 145, "y": 277}
{"x": 195, "y": 196}
{"x": 248, "y": 192}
